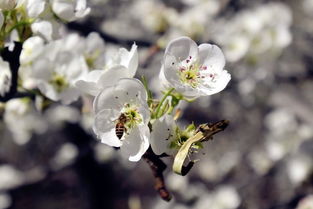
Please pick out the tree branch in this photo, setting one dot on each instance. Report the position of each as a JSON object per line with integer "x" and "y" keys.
{"x": 157, "y": 166}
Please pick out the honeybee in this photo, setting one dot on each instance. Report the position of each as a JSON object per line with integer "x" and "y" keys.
{"x": 120, "y": 126}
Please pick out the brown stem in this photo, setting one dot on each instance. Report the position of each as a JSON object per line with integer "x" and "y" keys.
{"x": 157, "y": 166}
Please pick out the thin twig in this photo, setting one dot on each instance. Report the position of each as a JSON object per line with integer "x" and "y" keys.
{"x": 157, "y": 166}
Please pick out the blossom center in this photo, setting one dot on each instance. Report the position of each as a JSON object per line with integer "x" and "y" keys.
{"x": 189, "y": 72}
{"x": 132, "y": 116}
{"x": 59, "y": 82}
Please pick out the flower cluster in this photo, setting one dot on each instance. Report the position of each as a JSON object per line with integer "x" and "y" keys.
{"x": 41, "y": 17}
{"x": 252, "y": 33}
{"x": 125, "y": 114}
{"x": 63, "y": 67}
{"x": 57, "y": 67}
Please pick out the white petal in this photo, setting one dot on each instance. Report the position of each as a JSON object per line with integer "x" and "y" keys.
{"x": 110, "y": 138}
{"x": 133, "y": 89}
{"x": 106, "y": 99}
{"x": 88, "y": 83}
{"x": 221, "y": 82}
{"x": 211, "y": 56}
{"x": 130, "y": 59}
{"x": 42, "y": 69}
{"x": 105, "y": 120}
{"x": 69, "y": 95}
{"x": 125, "y": 91}
{"x": 170, "y": 68}
{"x": 136, "y": 143}
{"x": 48, "y": 29}
{"x": 63, "y": 9}
{"x": 181, "y": 48}
{"x": 88, "y": 87}
{"x": 81, "y": 9}
{"x": 48, "y": 90}
{"x": 110, "y": 76}
{"x": 104, "y": 127}
{"x": 35, "y": 7}
{"x": 160, "y": 135}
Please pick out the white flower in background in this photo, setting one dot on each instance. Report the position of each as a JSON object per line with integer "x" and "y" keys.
{"x": 225, "y": 197}
{"x": 56, "y": 80}
{"x": 65, "y": 156}
{"x": 5, "y": 77}
{"x": 157, "y": 15}
{"x": 195, "y": 19}
{"x": 94, "y": 48}
{"x": 236, "y": 47}
{"x": 194, "y": 71}
{"x": 7, "y": 4}
{"x": 54, "y": 71}
{"x": 123, "y": 65}
{"x": 163, "y": 132}
{"x": 307, "y": 6}
{"x": 70, "y": 10}
{"x": 306, "y": 202}
{"x": 58, "y": 115}
{"x": 10, "y": 177}
{"x": 17, "y": 116}
{"x": 32, "y": 49}
{"x": 5, "y": 200}
{"x": 260, "y": 31}
{"x": 33, "y": 8}
{"x": 299, "y": 168}
{"x": 49, "y": 29}
{"x": 122, "y": 116}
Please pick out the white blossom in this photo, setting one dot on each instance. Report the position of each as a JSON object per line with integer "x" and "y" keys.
{"x": 157, "y": 15}
{"x": 53, "y": 68}
{"x": 70, "y": 10}
{"x": 194, "y": 71}
{"x": 224, "y": 197}
{"x": 122, "y": 116}
{"x": 17, "y": 116}
{"x": 259, "y": 31}
{"x": 123, "y": 65}
{"x": 5, "y": 77}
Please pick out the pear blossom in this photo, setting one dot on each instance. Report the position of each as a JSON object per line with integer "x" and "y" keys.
{"x": 193, "y": 20}
{"x": 5, "y": 77}
{"x": 17, "y": 116}
{"x": 123, "y": 65}
{"x": 262, "y": 30}
{"x": 94, "y": 48}
{"x": 163, "y": 132}
{"x": 128, "y": 100}
{"x": 70, "y": 10}
{"x": 194, "y": 71}
{"x": 157, "y": 15}
{"x": 54, "y": 71}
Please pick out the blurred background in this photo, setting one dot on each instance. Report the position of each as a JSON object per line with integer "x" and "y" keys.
{"x": 263, "y": 160}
